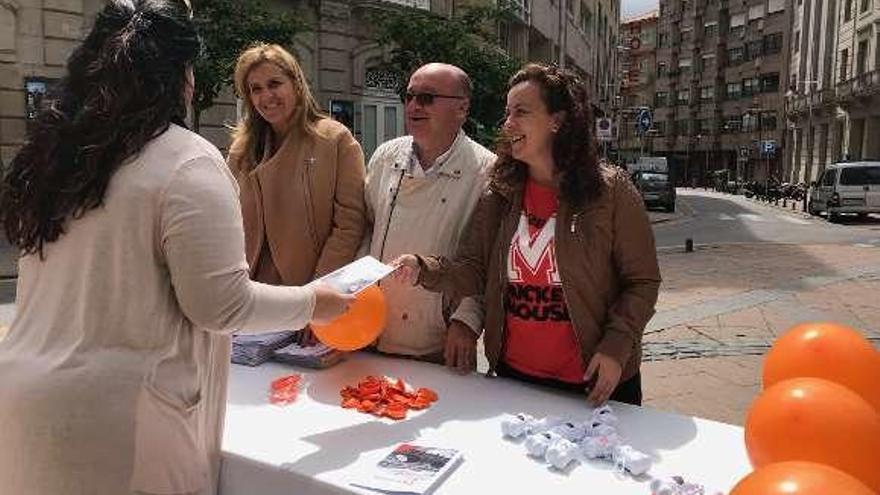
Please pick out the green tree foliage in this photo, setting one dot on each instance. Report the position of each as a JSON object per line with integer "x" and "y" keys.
{"x": 468, "y": 40}
{"x": 227, "y": 27}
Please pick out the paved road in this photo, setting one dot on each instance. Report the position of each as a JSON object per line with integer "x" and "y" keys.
{"x": 717, "y": 218}
{"x": 8, "y": 256}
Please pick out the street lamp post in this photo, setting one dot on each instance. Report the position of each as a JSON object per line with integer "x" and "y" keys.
{"x": 699, "y": 140}
{"x": 706, "y": 169}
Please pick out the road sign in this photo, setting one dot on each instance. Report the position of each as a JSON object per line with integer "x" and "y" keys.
{"x": 768, "y": 146}
{"x": 603, "y": 129}
{"x": 644, "y": 120}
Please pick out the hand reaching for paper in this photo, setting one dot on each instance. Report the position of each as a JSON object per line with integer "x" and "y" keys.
{"x": 329, "y": 304}
{"x": 406, "y": 269}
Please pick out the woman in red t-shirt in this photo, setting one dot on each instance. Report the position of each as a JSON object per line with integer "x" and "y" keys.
{"x": 560, "y": 246}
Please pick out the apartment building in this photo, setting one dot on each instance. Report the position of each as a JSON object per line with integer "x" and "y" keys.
{"x": 638, "y": 72}
{"x": 341, "y": 61}
{"x": 719, "y": 95}
{"x": 833, "y": 99}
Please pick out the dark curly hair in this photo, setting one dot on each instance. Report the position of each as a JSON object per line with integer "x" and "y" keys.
{"x": 123, "y": 87}
{"x": 574, "y": 146}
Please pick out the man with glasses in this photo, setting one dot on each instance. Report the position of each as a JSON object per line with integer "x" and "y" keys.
{"x": 421, "y": 189}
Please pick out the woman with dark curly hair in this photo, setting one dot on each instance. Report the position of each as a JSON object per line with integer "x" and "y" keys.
{"x": 132, "y": 274}
{"x": 560, "y": 246}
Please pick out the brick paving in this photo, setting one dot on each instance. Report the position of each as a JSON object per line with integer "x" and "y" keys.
{"x": 741, "y": 297}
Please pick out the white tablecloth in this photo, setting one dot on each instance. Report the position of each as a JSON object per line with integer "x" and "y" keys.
{"x": 314, "y": 446}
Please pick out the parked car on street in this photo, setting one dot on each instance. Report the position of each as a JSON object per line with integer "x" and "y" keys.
{"x": 849, "y": 187}
{"x": 656, "y": 189}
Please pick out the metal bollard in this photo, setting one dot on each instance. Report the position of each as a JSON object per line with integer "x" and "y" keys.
{"x": 785, "y": 202}
{"x": 689, "y": 245}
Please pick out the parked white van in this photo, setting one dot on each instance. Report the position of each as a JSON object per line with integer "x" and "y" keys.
{"x": 849, "y": 187}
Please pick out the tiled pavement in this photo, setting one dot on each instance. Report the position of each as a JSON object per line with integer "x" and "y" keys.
{"x": 724, "y": 305}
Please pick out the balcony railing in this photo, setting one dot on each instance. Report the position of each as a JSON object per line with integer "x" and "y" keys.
{"x": 865, "y": 84}
{"x": 418, "y": 4}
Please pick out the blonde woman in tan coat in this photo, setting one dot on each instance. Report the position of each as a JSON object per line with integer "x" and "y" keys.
{"x": 301, "y": 174}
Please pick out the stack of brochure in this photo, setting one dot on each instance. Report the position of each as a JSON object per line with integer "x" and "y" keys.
{"x": 412, "y": 469}
{"x": 256, "y": 349}
{"x": 313, "y": 356}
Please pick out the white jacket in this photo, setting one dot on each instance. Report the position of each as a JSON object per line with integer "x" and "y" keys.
{"x": 427, "y": 213}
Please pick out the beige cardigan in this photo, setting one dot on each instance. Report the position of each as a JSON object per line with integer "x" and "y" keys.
{"x": 114, "y": 370}
{"x": 306, "y": 201}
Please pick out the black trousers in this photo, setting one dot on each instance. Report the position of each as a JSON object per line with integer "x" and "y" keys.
{"x": 629, "y": 392}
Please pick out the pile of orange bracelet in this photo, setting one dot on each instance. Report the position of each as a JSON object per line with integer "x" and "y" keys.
{"x": 285, "y": 390}
{"x": 388, "y": 397}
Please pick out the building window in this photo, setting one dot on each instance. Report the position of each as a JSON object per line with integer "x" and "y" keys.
{"x": 682, "y": 127}
{"x": 749, "y": 122}
{"x": 706, "y": 62}
{"x": 710, "y": 29}
{"x": 734, "y": 90}
{"x": 751, "y": 86}
{"x": 684, "y": 64}
{"x": 663, "y": 40}
{"x": 753, "y": 49}
{"x": 661, "y": 99}
{"x": 862, "y": 58}
{"x": 732, "y": 124}
{"x": 704, "y": 126}
{"x": 770, "y": 82}
{"x": 768, "y": 121}
{"x": 772, "y": 43}
{"x": 844, "y": 64}
{"x": 662, "y": 69}
{"x": 756, "y": 12}
{"x": 686, "y": 34}
{"x": 737, "y": 22}
{"x": 737, "y": 32}
{"x": 847, "y": 10}
{"x": 707, "y": 93}
{"x": 684, "y": 96}
{"x": 660, "y": 128}
{"x": 734, "y": 56}
{"x": 866, "y": 4}
{"x": 797, "y": 42}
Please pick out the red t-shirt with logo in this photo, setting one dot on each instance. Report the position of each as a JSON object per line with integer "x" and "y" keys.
{"x": 540, "y": 337}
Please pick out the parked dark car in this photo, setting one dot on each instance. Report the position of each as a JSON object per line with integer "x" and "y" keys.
{"x": 656, "y": 188}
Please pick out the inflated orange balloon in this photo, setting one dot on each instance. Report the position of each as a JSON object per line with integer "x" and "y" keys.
{"x": 359, "y": 326}
{"x": 826, "y": 350}
{"x": 815, "y": 420}
{"x": 800, "y": 478}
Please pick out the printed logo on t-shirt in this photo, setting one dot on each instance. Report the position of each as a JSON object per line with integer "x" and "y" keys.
{"x": 534, "y": 291}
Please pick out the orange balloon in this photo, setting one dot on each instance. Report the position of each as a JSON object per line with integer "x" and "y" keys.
{"x": 815, "y": 420}
{"x": 799, "y": 478}
{"x": 829, "y": 351}
{"x": 359, "y": 326}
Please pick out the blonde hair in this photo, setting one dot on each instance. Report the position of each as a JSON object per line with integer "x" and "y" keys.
{"x": 250, "y": 132}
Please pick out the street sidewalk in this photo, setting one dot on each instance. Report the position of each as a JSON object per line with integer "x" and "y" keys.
{"x": 721, "y": 307}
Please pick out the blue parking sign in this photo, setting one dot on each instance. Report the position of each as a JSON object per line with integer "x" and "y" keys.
{"x": 644, "y": 120}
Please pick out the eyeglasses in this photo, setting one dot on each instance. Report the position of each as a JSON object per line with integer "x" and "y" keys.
{"x": 426, "y": 99}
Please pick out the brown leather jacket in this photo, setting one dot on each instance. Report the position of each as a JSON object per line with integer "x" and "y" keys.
{"x": 605, "y": 255}
{"x": 307, "y": 201}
